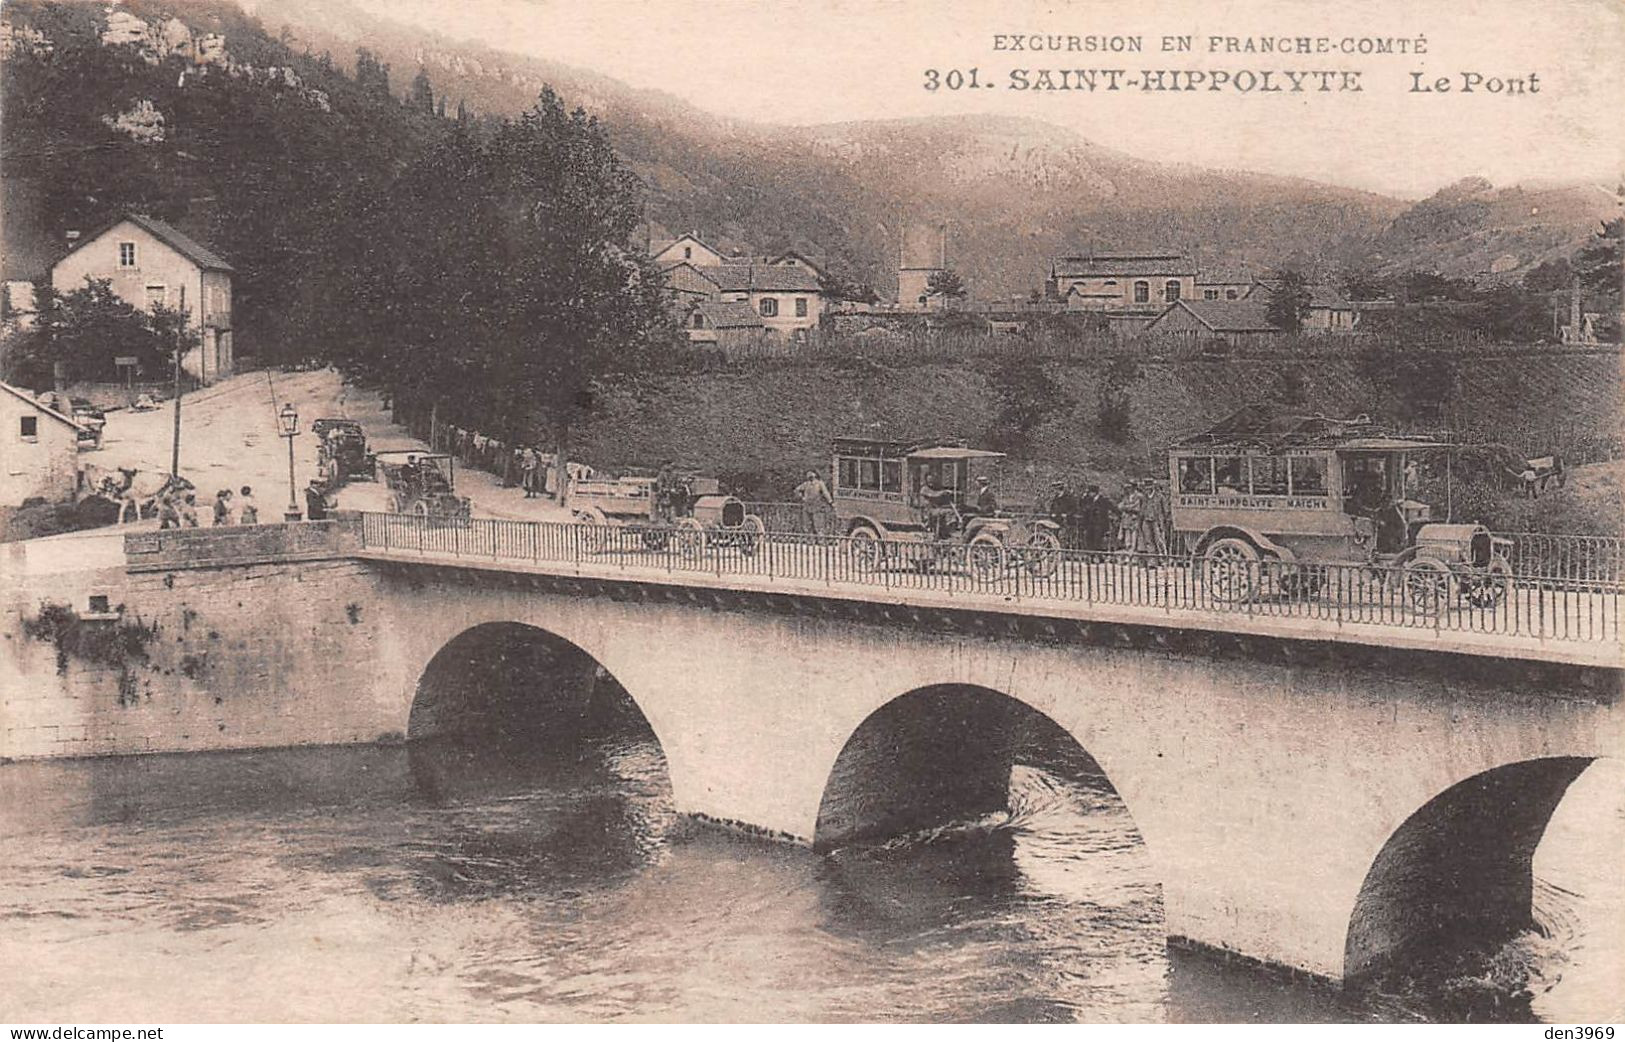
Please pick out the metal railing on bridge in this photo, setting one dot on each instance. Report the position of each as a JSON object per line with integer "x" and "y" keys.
{"x": 1435, "y": 596}
{"x": 1550, "y": 556}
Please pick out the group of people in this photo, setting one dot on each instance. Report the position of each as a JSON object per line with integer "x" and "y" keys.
{"x": 1139, "y": 522}
{"x": 524, "y": 466}
{"x": 178, "y": 508}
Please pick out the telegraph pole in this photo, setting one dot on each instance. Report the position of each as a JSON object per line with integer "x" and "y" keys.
{"x": 180, "y": 337}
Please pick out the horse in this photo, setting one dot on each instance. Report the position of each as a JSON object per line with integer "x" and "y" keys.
{"x": 136, "y": 492}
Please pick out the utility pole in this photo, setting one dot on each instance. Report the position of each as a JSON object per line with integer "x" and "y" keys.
{"x": 180, "y": 337}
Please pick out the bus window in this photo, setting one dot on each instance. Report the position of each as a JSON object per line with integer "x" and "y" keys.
{"x": 869, "y": 474}
{"x": 1228, "y": 476}
{"x": 1269, "y": 476}
{"x": 1308, "y": 476}
{"x": 847, "y": 475}
{"x": 891, "y": 475}
{"x": 1196, "y": 475}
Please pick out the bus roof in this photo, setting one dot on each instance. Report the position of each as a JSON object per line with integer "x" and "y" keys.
{"x": 1254, "y": 426}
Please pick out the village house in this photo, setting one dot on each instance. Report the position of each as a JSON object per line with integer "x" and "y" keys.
{"x": 1140, "y": 282}
{"x": 41, "y": 454}
{"x": 787, "y": 298}
{"x": 1328, "y": 310}
{"x": 781, "y": 292}
{"x": 1239, "y": 323}
{"x": 149, "y": 263}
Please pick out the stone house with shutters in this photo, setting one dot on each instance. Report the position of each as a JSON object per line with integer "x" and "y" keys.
{"x": 149, "y": 262}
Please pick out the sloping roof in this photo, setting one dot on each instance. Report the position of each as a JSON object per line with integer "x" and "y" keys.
{"x": 1320, "y": 294}
{"x": 662, "y": 245}
{"x": 728, "y": 314}
{"x": 1123, "y": 263}
{"x": 815, "y": 264}
{"x": 764, "y": 278}
{"x": 168, "y": 234}
{"x": 1223, "y": 277}
{"x": 1225, "y": 316}
{"x": 46, "y": 409}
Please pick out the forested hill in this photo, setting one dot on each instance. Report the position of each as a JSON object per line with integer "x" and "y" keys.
{"x": 275, "y": 158}
{"x": 1015, "y": 192}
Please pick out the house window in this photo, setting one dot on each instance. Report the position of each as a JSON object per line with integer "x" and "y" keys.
{"x": 1170, "y": 290}
{"x": 156, "y": 295}
{"x": 98, "y": 604}
{"x": 218, "y": 304}
{"x": 1142, "y": 292}
{"x": 1230, "y": 294}
{"x": 1210, "y": 294}
{"x": 770, "y": 307}
{"x": 688, "y": 253}
{"x": 699, "y": 320}
{"x": 801, "y": 307}
{"x": 126, "y": 254}
{"x": 29, "y": 429}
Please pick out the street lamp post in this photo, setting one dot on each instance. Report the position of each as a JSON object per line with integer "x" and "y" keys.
{"x": 288, "y": 423}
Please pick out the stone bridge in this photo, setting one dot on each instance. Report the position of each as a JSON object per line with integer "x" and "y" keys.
{"x": 1322, "y": 798}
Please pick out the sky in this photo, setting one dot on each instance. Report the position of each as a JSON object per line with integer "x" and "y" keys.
{"x": 817, "y": 61}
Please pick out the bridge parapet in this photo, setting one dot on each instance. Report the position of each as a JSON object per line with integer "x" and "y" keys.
{"x": 1512, "y": 616}
{"x": 173, "y": 549}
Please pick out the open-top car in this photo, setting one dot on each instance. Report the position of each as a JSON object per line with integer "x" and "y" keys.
{"x": 687, "y": 509}
{"x": 914, "y": 503}
{"x": 1312, "y": 490}
{"x": 422, "y": 483}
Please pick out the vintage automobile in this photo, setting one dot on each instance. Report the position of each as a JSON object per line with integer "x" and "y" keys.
{"x": 880, "y": 508}
{"x": 1311, "y": 491}
{"x": 693, "y": 513}
{"x": 422, "y": 483}
{"x": 91, "y": 420}
{"x": 342, "y": 453}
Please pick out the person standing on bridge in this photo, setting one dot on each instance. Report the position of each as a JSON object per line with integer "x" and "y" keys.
{"x": 817, "y": 506}
{"x": 248, "y": 512}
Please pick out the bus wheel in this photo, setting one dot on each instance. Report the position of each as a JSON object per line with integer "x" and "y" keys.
{"x": 1230, "y": 569}
{"x": 867, "y": 552}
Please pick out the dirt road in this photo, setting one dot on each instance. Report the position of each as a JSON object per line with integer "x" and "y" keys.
{"x": 229, "y": 438}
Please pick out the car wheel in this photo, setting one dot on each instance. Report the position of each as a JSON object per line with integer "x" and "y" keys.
{"x": 985, "y": 557}
{"x": 689, "y": 538}
{"x": 1430, "y": 586}
{"x": 1491, "y": 587}
{"x": 752, "y": 531}
{"x": 1231, "y": 570}
{"x": 868, "y": 553}
{"x": 1042, "y": 554}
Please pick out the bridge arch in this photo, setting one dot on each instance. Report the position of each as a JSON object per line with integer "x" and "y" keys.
{"x": 515, "y": 682}
{"x": 941, "y": 753}
{"x": 1458, "y": 872}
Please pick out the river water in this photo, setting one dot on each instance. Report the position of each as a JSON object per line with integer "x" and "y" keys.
{"x": 444, "y": 883}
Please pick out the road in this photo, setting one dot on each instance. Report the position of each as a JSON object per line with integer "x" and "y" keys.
{"x": 229, "y": 438}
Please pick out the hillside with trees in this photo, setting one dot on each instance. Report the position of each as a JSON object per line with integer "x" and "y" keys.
{"x": 487, "y": 268}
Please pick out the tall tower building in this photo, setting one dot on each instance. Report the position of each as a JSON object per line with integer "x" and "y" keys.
{"x": 922, "y": 253}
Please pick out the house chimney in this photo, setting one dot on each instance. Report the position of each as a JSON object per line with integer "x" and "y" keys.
{"x": 73, "y": 237}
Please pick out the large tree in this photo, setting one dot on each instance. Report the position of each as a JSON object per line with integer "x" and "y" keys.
{"x": 1288, "y": 301}
{"x": 85, "y": 330}
{"x": 580, "y": 300}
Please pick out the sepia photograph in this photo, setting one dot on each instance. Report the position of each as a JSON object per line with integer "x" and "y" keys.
{"x": 811, "y": 512}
